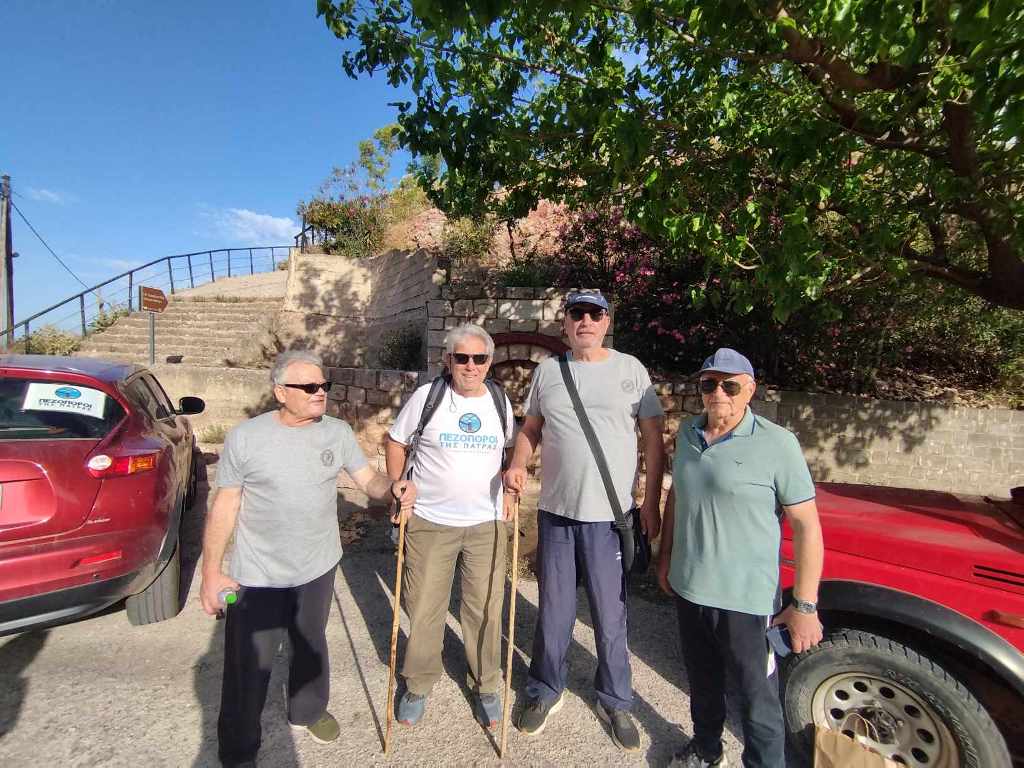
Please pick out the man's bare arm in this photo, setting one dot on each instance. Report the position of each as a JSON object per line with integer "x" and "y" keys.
{"x": 809, "y": 555}
{"x": 220, "y": 524}
{"x": 527, "y": 440}
{"x": 653, "y": 449}
{"x": 379, "y": 486}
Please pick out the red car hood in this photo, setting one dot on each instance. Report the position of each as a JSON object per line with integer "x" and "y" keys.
{"x": 963, "y": 537}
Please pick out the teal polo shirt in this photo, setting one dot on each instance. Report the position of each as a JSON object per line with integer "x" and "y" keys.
{"x": 725, "y": 546}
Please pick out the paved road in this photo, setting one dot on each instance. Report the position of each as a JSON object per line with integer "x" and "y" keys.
{"x": 102, "y": 693}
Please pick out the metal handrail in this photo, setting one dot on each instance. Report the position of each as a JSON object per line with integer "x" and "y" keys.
{"x": 130, "y": 274}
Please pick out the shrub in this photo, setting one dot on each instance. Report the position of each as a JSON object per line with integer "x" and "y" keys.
{"x": 402, "y": 350}
{"x": 48, "y": 340}
{"x": 350, "y": 227}
{"x": 466, "y": 242}
{"x": 106, "y": 317}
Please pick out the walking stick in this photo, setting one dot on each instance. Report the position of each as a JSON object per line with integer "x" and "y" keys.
{"x": 506, "y": 704}
{"x": 394, "y": 630}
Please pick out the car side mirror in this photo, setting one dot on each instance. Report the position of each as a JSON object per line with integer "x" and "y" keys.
{"x": 190, "y": 406}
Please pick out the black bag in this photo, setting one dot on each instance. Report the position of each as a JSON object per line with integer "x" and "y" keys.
{"x": 636, "y": 547}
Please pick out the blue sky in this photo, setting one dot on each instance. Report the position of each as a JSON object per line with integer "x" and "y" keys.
{"x": 135, "y": 130}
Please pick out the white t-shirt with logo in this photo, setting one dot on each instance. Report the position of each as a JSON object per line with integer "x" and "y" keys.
{"x": 457, "y": 467}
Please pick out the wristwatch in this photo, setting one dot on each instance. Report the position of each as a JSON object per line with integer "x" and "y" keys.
{"x": 803, "y": 606}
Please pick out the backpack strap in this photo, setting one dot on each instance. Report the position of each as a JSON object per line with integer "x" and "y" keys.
{"x": 430, "y": 406}
{"x": 501, "y": 405}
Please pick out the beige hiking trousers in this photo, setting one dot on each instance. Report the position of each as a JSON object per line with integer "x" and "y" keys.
{"x": 431, "y": 554}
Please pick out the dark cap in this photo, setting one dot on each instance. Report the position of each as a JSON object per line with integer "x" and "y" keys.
{"x": 727, "y": 360}
{"x": 595, "y": 298}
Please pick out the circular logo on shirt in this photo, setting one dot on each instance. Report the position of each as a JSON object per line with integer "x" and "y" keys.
{"x": 327, "y": 457}
{"x": 627, "y": 386}
{"x": 469, "y": 422}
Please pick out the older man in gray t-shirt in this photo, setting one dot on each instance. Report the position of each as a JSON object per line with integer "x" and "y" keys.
{"x": 575, "y": 521}
{"x": 277, "y": 492}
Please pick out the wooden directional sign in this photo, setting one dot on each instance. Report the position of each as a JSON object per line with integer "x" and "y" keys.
{"x": 152, "y": 299}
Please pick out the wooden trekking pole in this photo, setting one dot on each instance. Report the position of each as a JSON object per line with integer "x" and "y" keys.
{"x": 506, "y": 703}
{"x": 394, "y": 629}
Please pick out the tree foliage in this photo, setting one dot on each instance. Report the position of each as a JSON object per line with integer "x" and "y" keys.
{"x": 799, "y": 148}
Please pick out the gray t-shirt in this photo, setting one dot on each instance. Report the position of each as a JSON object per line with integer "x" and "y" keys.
{"x": 287, "y": 529}
{"x": 615, "y": 393}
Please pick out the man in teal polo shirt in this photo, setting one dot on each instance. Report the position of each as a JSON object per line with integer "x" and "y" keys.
{"x": 732, "y": 473}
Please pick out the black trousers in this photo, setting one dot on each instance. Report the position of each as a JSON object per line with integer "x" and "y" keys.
{"x": 718, "y": 644}
{"x": 255, "y": 626}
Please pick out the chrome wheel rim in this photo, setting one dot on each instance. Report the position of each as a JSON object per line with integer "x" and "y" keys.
{"x": 906, "y": 729}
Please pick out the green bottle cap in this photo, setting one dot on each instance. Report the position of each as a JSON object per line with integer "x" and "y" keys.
{"x": 230, "y": 598}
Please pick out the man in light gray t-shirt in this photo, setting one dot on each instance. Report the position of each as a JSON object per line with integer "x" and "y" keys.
{"x": 575, "y": 521}
{"x": 277, "y": 492}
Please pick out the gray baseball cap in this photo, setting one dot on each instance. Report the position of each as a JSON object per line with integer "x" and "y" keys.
{"x": 727, "y": 360}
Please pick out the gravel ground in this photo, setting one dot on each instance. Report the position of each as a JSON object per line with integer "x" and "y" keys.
{"x": 100, "y": 692}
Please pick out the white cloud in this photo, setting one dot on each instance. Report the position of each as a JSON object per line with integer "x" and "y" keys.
{"x": 250, "y": 228}
{"x": 46, "y": 195}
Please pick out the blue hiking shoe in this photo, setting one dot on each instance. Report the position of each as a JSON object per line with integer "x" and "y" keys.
{"x": 489, "y": 709}
{"x": 411, "y": 708}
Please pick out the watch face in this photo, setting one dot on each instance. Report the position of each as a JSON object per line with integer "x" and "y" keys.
{"x": 802, "y": 606}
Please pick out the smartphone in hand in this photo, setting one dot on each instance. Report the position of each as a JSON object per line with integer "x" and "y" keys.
{"x": 778, "y": 640}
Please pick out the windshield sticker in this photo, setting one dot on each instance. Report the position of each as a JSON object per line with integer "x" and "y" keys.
{"x": 64, "y": 398}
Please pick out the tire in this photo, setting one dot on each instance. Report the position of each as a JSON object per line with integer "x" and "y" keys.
{"x": 158, "y": 601}
{"x": 924, "y": 715}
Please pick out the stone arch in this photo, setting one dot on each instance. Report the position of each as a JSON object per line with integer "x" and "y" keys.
{"x": 516, "y": 354}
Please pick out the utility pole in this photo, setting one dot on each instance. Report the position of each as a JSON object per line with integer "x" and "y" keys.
{"x": 6, "y": 265}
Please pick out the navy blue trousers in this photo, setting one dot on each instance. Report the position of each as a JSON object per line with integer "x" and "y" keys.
{"x": 253, "y": 631}
{"x": 720, "y": 644}
{"x": 563, "y": 546}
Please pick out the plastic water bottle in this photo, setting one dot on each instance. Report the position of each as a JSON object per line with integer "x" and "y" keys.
{"x": 226, "y": 597}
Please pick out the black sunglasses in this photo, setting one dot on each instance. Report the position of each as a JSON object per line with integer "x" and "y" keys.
{"x": 731, "y": 387}
{"x": 311, "y": 388}
{"x": 576, "y": 313}
{"x": 461, "y": 358}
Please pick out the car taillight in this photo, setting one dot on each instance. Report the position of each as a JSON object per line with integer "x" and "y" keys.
{"x": 102, "y": 465}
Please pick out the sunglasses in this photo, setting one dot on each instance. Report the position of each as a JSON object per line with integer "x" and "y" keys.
{"x": 731, "y": 387}
{"x": 311, "y": 388}
{"x": 461, "y": 358}
{"x": 577, "y": 313}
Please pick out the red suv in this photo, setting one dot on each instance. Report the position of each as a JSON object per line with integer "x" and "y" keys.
{"x": 96, "y": 468}
{"x": 923, "y": 605}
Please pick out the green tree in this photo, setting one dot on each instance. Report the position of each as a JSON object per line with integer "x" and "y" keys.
{"x": 804, "y": 147}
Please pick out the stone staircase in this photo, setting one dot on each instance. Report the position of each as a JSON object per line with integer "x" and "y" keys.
{"x": 193, "y": 332}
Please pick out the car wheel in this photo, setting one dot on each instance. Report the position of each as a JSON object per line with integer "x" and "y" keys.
{"x": 921, "y": 714}
{"x": 159, "y": 601}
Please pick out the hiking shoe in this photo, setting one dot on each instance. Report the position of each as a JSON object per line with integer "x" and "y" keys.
{"x": 411, "y": 708}
{"x": 691, "y": 758}
{"x": 324, "y": 731}
{"x": 534, "y": 716}
{"x": 489, "y": 709}
{"x": 624, "y": 732}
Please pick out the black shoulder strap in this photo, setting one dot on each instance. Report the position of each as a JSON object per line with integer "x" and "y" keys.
{"x": 500, "y": 403}
{"x": 595, "y": 446}
{"x": 434, "y": 396}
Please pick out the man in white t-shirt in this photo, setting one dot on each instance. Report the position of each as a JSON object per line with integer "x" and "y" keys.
{"x": 458, "y": 511}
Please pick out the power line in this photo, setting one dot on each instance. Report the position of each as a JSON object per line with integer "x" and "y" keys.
{"x": 58, "y": 258}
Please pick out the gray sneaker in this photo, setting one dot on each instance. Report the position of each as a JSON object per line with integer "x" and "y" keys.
{"x": 691, "y": 758}
{"x": 489, "y": 709}
{"x": 624, "y": 732}
{"x": 535, "y": 714}
{"x": 411, "y": 708}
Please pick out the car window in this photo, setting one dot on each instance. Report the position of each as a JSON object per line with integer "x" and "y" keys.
{"x": 161, "y": 396}
{"x": 33, "y": 409}
{"x": 143, "y": 396}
